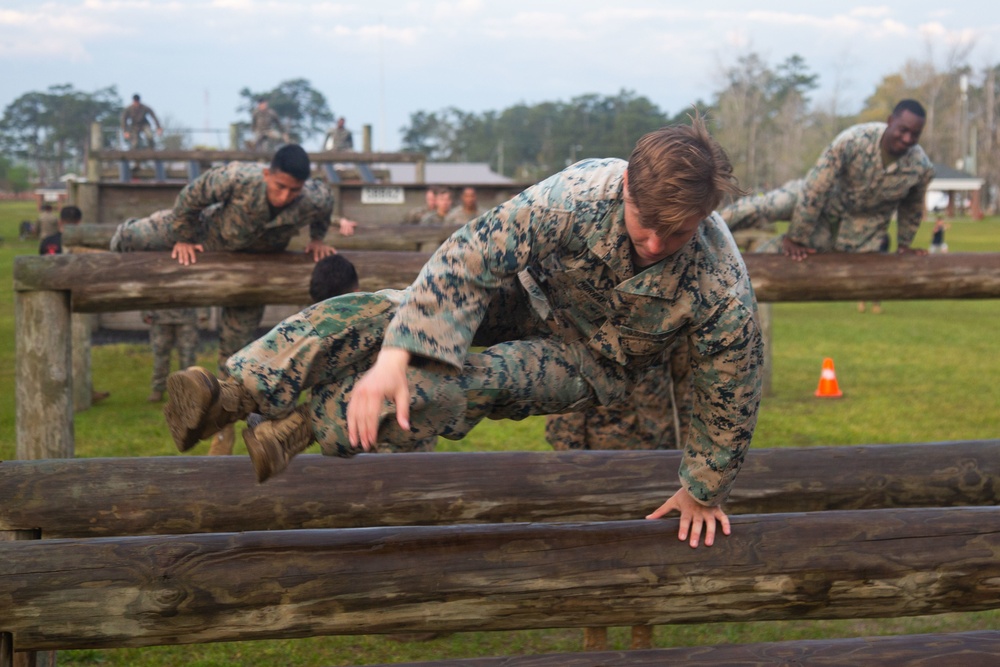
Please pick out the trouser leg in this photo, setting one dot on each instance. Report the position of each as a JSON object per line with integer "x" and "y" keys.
{"x": 162, "y": 338}
{"x": 237, "y": 329}
{"x": 187, "y": 344}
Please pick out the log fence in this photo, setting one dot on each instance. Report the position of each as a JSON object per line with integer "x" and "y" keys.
{"x": 153, "y": 556}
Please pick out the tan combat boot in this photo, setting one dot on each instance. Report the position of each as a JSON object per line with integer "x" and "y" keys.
{"x": 198, "y": 405}
{"x": 273, "y": 443}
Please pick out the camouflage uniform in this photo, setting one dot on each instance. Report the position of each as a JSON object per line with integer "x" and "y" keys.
{"x": 267, "y": 129}
{"x": 432, "y": 218}
{"x": 459, "y": 216}
{"x": 339, "y": 139}
{"x": 657, "y": 415}
{"x": 226, "y": 208}
{"x": 846, "y": 201}
{"x": 546, "y": 281}
{"x": 170, "y": 328}
{"x": 135, "y": 121}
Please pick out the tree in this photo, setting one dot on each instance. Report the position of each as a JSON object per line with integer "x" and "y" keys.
{"x": 302, "y": 108}
{"x": 52, "y": 128}
{"x": 14, "y": 177}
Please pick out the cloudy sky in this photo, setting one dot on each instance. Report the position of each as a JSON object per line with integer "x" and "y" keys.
{"x": 379, "y": 60}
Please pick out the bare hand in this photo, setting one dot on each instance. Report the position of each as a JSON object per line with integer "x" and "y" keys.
{"x": 159, "y": 131}
{"x": 386, "y": 380}
{"x": 184, "y": 253}
{"x": 694, "y": 517}
{"x": 319, "y": 250}
{"x": 903, "y": 250}
{"x": 347, "y": 226}
{"x": 794, "y": 250}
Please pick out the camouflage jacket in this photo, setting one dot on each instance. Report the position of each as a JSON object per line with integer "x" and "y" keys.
{"x": 262, "y": 120}
{"x": 227, "y": 208}
{"x": 135, "y": 117}
{"x": 459, "y": 216}
{"x": 848, "y": 197}
{"x": 563, "y": 245}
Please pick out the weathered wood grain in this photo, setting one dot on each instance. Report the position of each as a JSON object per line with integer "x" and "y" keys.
{"x": 141, "y": 591}
{"x": 186, "y": 494}
{"x": 108, "y": 282}
{"x": 960, "y": 649}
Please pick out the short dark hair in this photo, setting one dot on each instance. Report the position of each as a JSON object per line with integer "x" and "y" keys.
{"x": 293, "y": 160}
{"x": 332, "y": 276}
{"x": 135, "y": 98}
{"x": 913, "y": 106}
{"x": 70, "y": 214}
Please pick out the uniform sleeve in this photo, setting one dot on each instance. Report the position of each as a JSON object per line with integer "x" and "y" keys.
{"x": 911, "y": 211}
{"x": 124, "y": 120}
{"x": 445, "y": 305}
{"x": 726, "y": 375}
{"x": 321, "y": 211}
{"x": 816, "y": 189}
{"x": 213, "y": 187}
{"x": 152, "y": 114}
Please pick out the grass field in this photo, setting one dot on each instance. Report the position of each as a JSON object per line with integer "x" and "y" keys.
{"x": 920, "y": 371}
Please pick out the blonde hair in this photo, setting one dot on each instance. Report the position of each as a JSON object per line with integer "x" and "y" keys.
{"x": 679, "y": 172}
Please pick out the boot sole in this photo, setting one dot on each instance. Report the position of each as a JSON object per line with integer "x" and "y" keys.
{"x": 190, "y": 395}
{"x": 264, "y": 464}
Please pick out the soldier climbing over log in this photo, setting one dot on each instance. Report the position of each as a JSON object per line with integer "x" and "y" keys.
{"x": 577, "y": 287}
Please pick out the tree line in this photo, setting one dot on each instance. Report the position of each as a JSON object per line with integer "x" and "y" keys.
{"x": 763, "y": 114}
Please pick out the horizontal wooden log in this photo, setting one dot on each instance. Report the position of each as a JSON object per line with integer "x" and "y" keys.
{"x": 251, "y": 156}
{"x": 150, "y": 495}
{"x": 958, "y": 649}
{"x": 109, "y": 282}
{"x": 369, "y": 237}
{"x": 141, "y": 591}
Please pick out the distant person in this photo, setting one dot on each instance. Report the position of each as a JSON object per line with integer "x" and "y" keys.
{"x": 416, "y": 215}
{"x": 268, "y": 132}
{"x": 938, "y": 244}
{"x": 48, "y": 222}
{"x": 339, "y": 138}
{"x": 135, "y": 124}
{"x": 52, "y": 245}
{"x": 442, "y": 206}
{"x": 172, "y": 328}
{"x": 467, "y": 210}
{"x": 846, "y": 201}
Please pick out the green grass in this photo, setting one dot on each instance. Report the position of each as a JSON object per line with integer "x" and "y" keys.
{"x": 920, "y": 371}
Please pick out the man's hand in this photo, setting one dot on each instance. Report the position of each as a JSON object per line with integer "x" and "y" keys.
{"x": 905, "y": 250}
{"x": 319, "y": 250}
{"x": 794, "y": 250}
{"x": 347, "y": 227}
{"x": 694, "y": 517}
{"x": 159, "y": 131}
{"x": 184, "y": 253}
{"x": 385, "y": 380}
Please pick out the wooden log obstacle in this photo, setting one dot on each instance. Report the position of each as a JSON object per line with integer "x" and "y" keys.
{"x": 150, "y": 554}
{"x": 49, "y": 288}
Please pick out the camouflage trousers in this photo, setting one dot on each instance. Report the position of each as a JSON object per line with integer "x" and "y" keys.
{"x": 237, "y": 324}
{"x": 656, "y": 415}
{"x": 165, "y": 337}
{"x": 141, "y": 138}
{"x": 328, "y": 346}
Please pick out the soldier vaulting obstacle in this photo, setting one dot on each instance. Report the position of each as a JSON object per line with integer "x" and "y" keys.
{"x": 577, "y": 287}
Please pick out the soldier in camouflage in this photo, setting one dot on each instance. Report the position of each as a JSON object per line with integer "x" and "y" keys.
{"x": 170, "y": 328}
{"x": 846, "y": 201}
{"x": 135, "y": 124}
{"x": 266, "y": 126}
{"x": 577, "y": 287}
{"x": 238, "y": 207}
{"x": 442, "y": 206}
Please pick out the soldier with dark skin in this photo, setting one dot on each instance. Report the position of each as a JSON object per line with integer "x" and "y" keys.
{"x": 575, "y": 288}
{"x": 845, "y": 203}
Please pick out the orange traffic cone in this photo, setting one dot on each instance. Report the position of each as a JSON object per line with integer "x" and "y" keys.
{"x": 828, "y": 387}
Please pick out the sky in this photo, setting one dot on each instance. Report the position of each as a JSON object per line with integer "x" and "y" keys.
{"x": 378, "y": 61}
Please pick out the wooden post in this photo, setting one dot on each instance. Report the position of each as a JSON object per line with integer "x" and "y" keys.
{"x": 93, "y": 162}
{"x": 421, "y": 171}
{"x": 366, "y": 138}
{"x": 595, "y": 639}
{"x": 83, "y": 386}
{"x": 44, "y": 375}
{"x": 764, "y": 318}
{"x": 29, "y": 658}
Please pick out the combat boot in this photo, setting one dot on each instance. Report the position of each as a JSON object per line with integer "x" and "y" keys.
{"x": 273, "y": 443}
{"x": 198, "y": 405}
